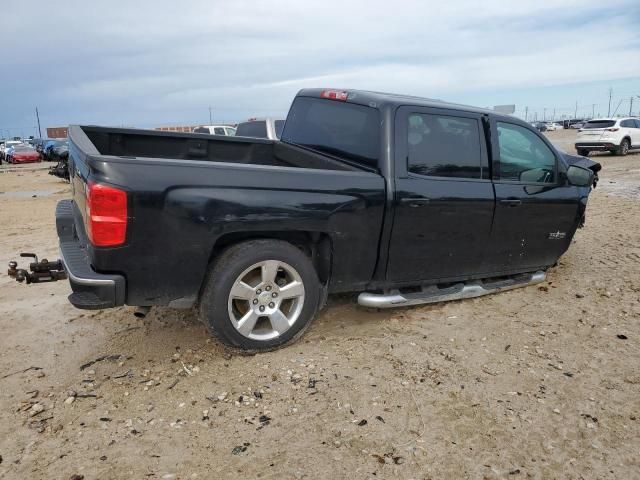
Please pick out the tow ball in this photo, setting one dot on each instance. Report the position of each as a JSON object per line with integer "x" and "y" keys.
{"x": 39, "y": 271}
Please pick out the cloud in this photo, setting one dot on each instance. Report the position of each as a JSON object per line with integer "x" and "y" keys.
{"x": 155, "y": 62}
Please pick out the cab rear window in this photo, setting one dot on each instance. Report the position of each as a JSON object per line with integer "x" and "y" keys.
{"x": 344, "y": 130}
{"x": 599, "y": 124}
{"x": 257, "y": 129}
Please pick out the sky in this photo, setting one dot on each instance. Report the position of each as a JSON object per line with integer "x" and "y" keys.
{"x": 154, "y": 63}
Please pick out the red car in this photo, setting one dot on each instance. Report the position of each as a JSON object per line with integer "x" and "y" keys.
{"x": 21, "y": 154}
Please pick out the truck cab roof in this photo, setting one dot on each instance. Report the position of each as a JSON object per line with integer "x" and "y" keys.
{"x": 378, "y": 99}
{"x": 383, "y": 100}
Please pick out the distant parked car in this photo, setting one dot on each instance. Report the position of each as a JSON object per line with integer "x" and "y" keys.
{"x": 216, "y": 130}
{"x": 6, "y": 147}
{"x": 57, "y": 152}
{"x": 60, "y": 153}
{"x": 551, "y": 127}
{"x": 261, "y": 128}
{"x": 570, "y": 123}
{"x": 22, "y": 154}
{"x": 540, "y": 126}
{"x": 578, "y": 125}
{"x": 616, "y": 135}
{"x": 38, "y": 143}
{"x": 47, "y": 149}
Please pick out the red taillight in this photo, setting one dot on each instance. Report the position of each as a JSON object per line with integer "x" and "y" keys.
{"x": 335, "y": 95}
{"x": 106, "y": 215}
{"x": 614, "y": 129}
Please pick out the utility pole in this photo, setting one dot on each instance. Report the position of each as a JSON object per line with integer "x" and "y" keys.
{"x": 593, "y": 110}
{"x": 544, "y": 114}
{"x": 610, "y": 95}
{"x": 575, "y": 114}
{"x": 630, "y": 105}
{"x": 210, "y": 116}
{"x": 526, "y": 111}
{"x": 553, "y": 119}
{"x": 38, "y": 117}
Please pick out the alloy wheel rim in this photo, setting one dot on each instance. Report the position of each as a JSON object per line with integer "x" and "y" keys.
{"x": 266, "y": 300}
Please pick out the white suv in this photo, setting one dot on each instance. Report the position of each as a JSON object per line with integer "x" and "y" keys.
{"x": 616, "y": 135}
{"x": 216, "y": 130}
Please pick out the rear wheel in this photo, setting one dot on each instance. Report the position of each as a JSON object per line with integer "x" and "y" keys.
{"x": 624, "y": 147}
{"x": 260, "y": 295}
{"x": 583, "y": 152}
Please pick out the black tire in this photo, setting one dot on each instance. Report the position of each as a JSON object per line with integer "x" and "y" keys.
{"x": 583, "y": 152}
{"x": 624, "y": 147}
{"x": 214, "y": 301}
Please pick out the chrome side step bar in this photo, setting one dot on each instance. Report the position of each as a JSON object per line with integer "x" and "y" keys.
{"x": 459, "y": 291}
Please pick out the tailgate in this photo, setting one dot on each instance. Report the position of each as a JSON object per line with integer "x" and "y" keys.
{"x": 591, "y": 134}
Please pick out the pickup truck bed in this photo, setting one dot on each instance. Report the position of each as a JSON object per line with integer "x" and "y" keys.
{"x": 189, "y": 196}
{"x": 120, "y": 142}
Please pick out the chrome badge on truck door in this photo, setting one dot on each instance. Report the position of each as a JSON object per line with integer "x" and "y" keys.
{"x": 557, "y": 235}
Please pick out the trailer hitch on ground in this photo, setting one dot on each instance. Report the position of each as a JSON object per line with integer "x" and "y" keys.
{"x": 39, "y": 271}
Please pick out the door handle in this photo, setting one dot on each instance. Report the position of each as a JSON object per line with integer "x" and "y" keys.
{"x": 415, "y": 202}
{"x": 511, "y": 202}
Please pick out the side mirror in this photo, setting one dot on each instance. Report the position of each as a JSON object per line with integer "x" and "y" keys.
{"x": 579, "y": 177}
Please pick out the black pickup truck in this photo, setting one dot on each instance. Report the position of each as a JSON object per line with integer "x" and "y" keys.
{"x": 406, "y": 200}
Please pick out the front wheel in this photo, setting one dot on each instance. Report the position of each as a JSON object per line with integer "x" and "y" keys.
{"x": 260, "y": 295}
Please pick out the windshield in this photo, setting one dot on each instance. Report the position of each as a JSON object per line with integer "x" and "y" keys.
{"x": 599, "y": 124}
{"x": 345, "y": 130}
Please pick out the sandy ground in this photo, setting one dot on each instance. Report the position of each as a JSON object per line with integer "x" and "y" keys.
{"x": 540, "y": 383}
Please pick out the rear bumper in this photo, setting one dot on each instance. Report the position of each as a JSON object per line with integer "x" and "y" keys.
{"x": 596, "y": 145}
{"x": 28, "y": 160}
{"x": 91, "y": 290}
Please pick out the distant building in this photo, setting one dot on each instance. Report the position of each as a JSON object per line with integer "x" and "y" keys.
{"x": 178, "y": 128}
{"x": 57, "y": 132}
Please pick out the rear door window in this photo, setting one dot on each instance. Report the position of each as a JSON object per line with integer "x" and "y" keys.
{"x": 444, "y": 146}
{"x": 218, "y": 131}
{"x": 523, "y": 156}
{"x": 345, "y": 130}
{"x": 257, "y": 129}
